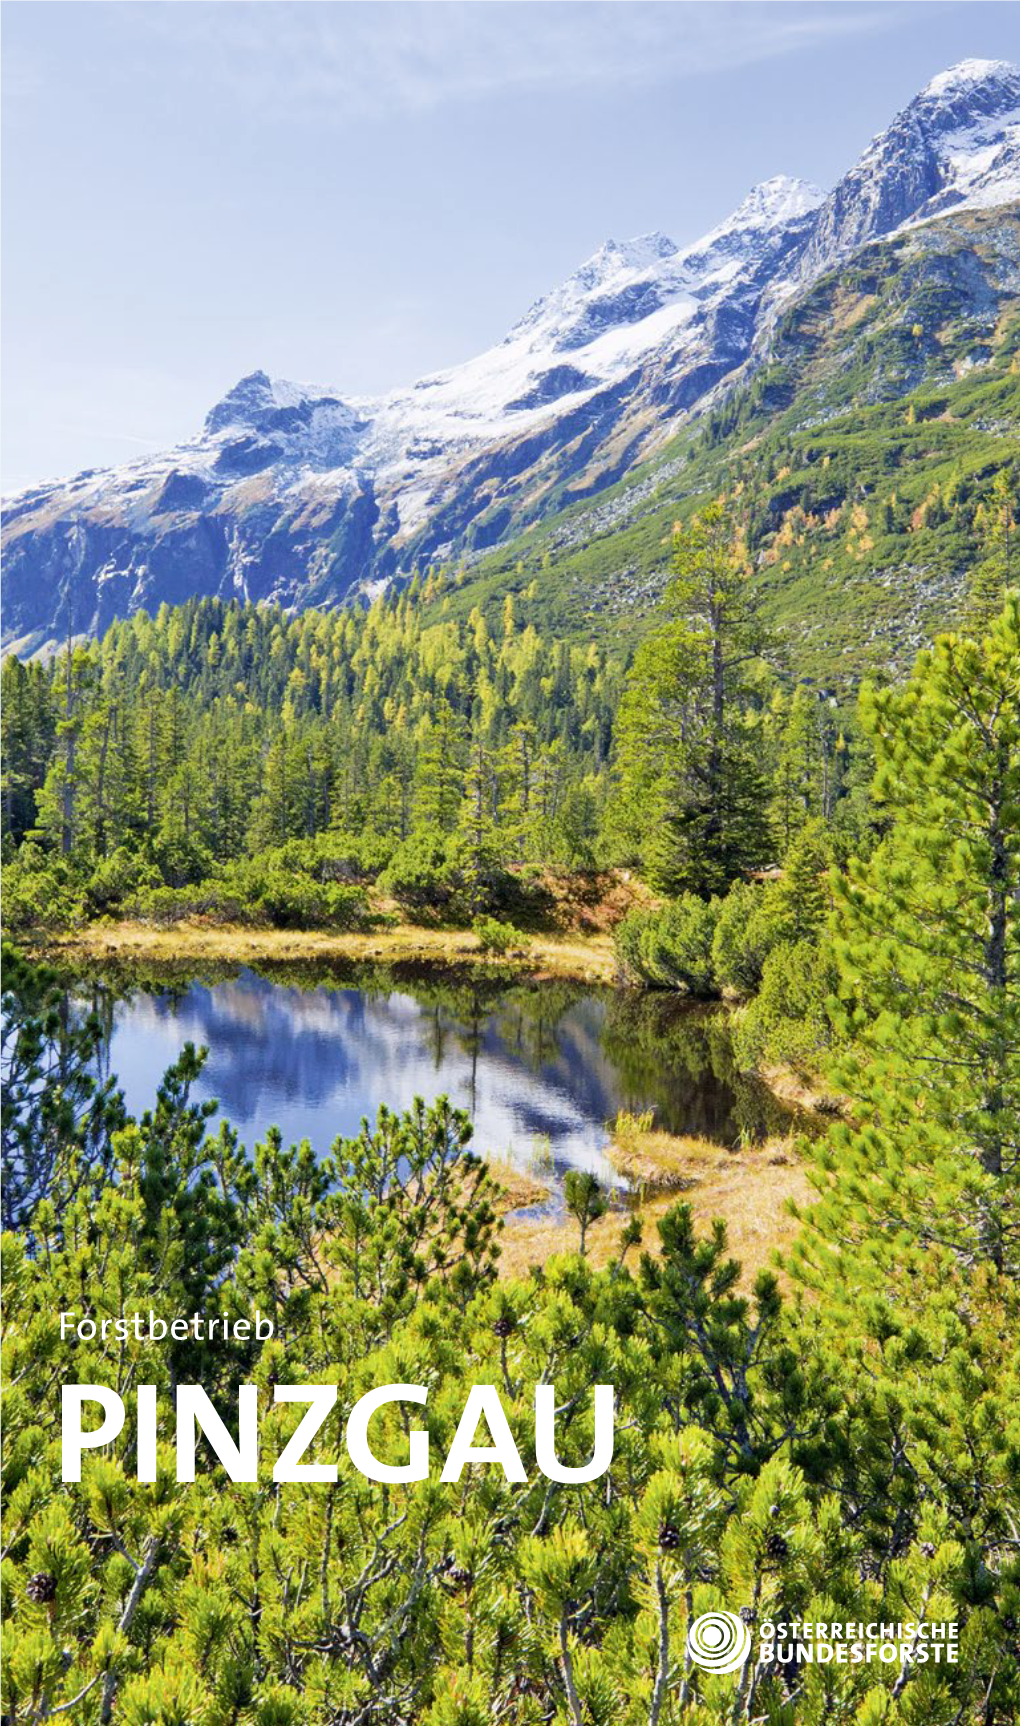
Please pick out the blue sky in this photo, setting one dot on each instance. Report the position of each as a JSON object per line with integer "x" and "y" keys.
{"x": 357, "y": 194}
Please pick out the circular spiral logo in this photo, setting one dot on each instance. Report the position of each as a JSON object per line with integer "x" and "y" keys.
{"x": 719, "y": 1641}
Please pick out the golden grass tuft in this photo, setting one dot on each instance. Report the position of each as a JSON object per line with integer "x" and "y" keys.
{"x": 516, "y": 1189}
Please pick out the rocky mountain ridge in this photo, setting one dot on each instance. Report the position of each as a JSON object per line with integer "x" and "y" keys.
{"x": 294, "y": 494}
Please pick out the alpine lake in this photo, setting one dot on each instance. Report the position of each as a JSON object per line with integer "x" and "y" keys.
{"x": 542, "y": 1068}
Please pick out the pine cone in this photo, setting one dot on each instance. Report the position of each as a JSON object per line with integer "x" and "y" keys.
{"x": 926, "y": 1549}
{"x": 776, "y": 1547}
{"x": 503, "y": 1327}
{"x": 747, "y": 1614}
{"x": 42, "y": 1587}
{"x": 669, "y": 1536}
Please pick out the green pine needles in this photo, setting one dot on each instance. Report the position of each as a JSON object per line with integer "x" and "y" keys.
{"x": 927, "y": 944}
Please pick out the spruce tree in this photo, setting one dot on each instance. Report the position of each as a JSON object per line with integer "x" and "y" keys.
{"x": 693, "y": 794}
{"x": 803, "y": 897}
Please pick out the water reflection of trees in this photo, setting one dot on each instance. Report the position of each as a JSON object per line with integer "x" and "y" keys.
{"x": 643, "y": 1050}
{"x": 458, "y": 1007}
{"x": 92, "y": 990}
{"x": 524, "y": 1018}
{"x": 680, "y": 1058}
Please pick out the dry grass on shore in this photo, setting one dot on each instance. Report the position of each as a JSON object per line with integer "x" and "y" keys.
{"x": 581, "y": 958}
{"x": 748, "y": 1188}
{"x": 573, "y": 939}
{"x": 518, "y": 1189}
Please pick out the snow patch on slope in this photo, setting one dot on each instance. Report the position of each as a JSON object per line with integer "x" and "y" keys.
{"x": 628, "y": 302}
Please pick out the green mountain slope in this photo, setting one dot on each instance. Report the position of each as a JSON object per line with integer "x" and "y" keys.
{"x": 865, "y": 440}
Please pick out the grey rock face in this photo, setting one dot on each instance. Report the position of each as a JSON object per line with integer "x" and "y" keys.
{"x": 926, "y": 161}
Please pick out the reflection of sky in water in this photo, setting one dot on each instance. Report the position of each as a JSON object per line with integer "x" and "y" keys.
{"x": 313, "y": 1062}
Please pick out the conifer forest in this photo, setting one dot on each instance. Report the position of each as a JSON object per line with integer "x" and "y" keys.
{"x": 832, "y": 1438}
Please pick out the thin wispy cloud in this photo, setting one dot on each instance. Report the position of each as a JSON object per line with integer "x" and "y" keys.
{"x": 352, "y": 61}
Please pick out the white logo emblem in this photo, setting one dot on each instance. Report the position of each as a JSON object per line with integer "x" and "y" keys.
{"x": 719, "y": 1641}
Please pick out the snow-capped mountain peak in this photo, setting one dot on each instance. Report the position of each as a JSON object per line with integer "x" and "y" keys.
{"x": 962, "y": 78}
{"x": 970, "y": 116}
{"x": 956, "y": 145}
{"x": 629, "y": 282}
{"x": 616, "y": 265}
{"x": 629, "y": 301}
{"x": 260, "y": 403}
{"x": 776, "y": 210}
{"x": 773, "y": 203}
{"x": 617, "y": 257}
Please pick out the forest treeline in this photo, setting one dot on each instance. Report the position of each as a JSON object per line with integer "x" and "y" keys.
{"x": 216, "y": 730}
{"x": 438, "y": 755}
{"x": 842, "y": 1451}
{"x": 341, "y": 770}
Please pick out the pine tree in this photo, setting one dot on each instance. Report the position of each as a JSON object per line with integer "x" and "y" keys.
{"x": 441, "y": 773}
{"x": 803, "y": 893}
{"x": 518, "y": 767}
{"x": 479, "y": 850}
{"x": 28, "y": 723}
{"x": 59, "y": 798}
{"x": 854, "y": 1457}
{"x": 928, "y": 949}
{"x": 585, "y": 1200}
{"x": 57, "y": 1119}
{"x": 808, "y": 761}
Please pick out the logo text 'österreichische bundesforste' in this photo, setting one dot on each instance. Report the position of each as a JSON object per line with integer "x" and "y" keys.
{"x": 914, "y": 1643}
